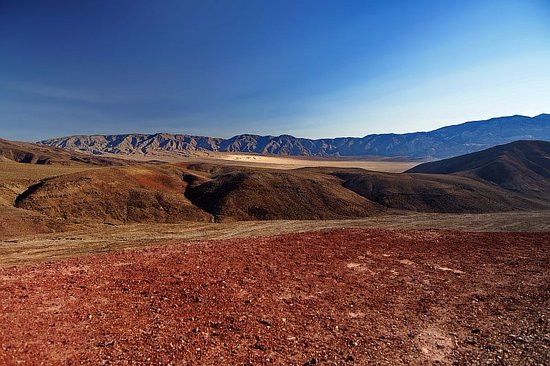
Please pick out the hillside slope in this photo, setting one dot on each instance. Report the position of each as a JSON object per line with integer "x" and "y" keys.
{"x": 522, "y": 166}
{"x": 24, "y": 152}
{"x": 441, "y": 143}
{"x": 434, "y": 193}
{"x": 125, "y": 194}
{"x": 271, "y": 195}
{"x": 325, "y": 193}
{"x": 205, "y": 192}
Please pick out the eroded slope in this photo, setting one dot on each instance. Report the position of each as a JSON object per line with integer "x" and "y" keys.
{"x": 125, "y": 194}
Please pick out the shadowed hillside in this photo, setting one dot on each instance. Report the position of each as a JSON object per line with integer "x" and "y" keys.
{"x": 433, "y": 193}
{"x": 270, "y": 195}
{"x": 521, "y": 166}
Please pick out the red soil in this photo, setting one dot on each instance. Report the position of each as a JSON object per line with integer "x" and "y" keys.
{"x": 336, "y": 297}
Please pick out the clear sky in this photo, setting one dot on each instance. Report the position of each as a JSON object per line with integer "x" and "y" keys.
{"x": 307, "y": 68}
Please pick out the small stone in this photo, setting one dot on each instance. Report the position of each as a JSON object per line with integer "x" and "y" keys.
{"x": 105, "y": 344}
{"x": 265, "y": 322}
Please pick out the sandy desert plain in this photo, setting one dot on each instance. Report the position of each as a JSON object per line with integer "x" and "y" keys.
{"x": 272, "y": 261}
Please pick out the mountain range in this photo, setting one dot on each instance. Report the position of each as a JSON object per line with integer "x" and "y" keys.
{"x": 441, "y": 143}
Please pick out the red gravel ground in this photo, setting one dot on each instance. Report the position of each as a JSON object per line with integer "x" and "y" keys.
{"x": 334, "y": 297}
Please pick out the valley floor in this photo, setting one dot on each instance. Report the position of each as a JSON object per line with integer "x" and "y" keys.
{"x": 19, "y": 243}
{"x": 339, "y": 296}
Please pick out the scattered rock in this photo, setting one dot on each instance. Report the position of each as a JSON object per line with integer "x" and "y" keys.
{"x": 265, "y": 322}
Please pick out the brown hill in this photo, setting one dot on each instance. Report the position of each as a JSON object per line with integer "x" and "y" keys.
{"x": 521, "y": 166}
{"x": 202, "y": 192}
{"x": 247, "y": 194}
{"x": 175, "y": 193}
{"x": 239, "y": 193}
{"x": 118, "y": 194}
{"x": 24, "y": 152}
{"x": 433, "y": 193}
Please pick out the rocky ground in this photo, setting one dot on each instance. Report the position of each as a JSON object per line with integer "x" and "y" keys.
{"x": 350, "y": 296}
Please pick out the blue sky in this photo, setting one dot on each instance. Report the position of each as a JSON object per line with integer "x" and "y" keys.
{"x": 308, "y": 68}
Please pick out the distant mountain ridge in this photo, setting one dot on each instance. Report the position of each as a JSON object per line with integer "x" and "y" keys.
{"x": 437, "y": 144}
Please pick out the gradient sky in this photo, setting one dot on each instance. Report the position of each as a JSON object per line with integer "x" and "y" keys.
{"x": 307, "y": 68}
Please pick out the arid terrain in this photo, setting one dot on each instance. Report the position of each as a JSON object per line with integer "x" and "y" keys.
{"x": 22, "y": 247}
{"x": 340, "y": 297}
{"x": 301, "y": 183}
{"x": 513, "y": 179}
{"x": 118, "y": 261}
{"x": 390, "y": 165}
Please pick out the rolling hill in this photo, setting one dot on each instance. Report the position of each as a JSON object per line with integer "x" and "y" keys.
{"x": 434, "y": 193}
{"x": 441, "y": 143}
{"x": 114, "y": 194}
{"x": 249, "y": 194}
{"x": 521, "y": 166}
{"x": 205, "y": 192}
{"x": 24, "y": 152}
